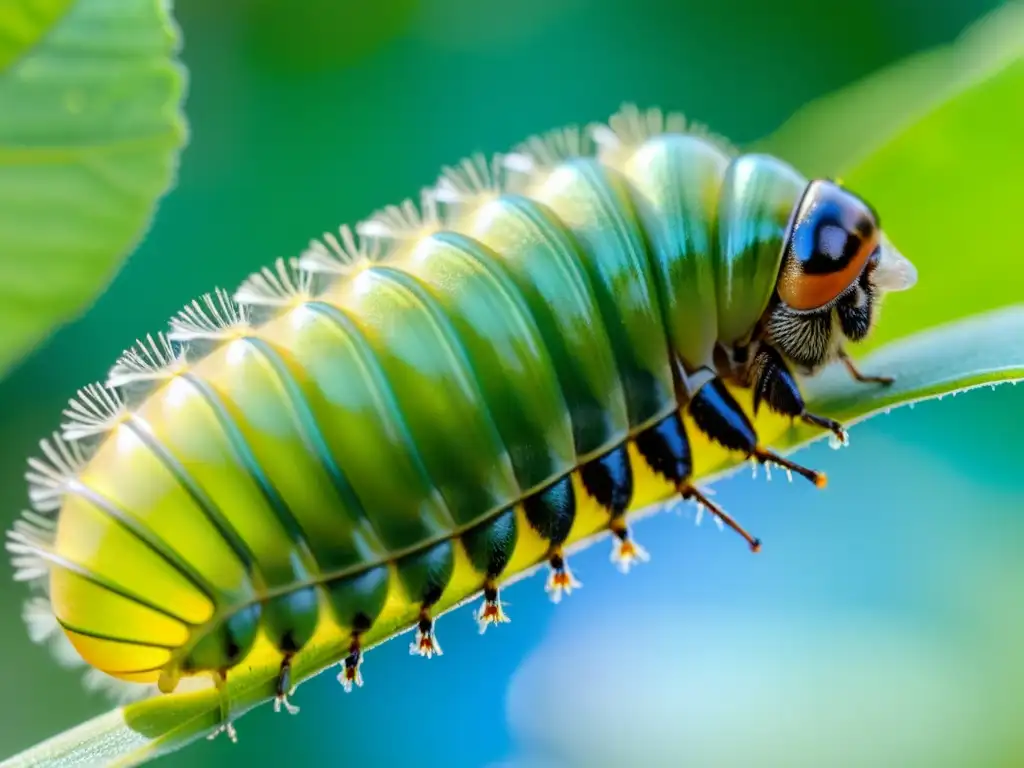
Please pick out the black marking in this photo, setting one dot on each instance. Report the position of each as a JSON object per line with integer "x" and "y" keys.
{"x": 290, "y": 620}
{"x": 199, "y": 497}
{"x": 666, "y": 449}
{"x": 855, "y": 311}
{"x": 552, "y": 511}
{"x": 778, "y": 389}
{"x": 490, "y": 545}
{"x": 720, "y": 417}
{"x": 774, "y": 384}
{"x": 426, "y": 574}
{"x": 609, "y": 479}
{"x": 357, "y": 601}
{"x": 155, "y": 544}
{"x": 226, "y": 643}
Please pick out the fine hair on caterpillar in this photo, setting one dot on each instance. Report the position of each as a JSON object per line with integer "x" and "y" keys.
{"x": 422, "y": 407}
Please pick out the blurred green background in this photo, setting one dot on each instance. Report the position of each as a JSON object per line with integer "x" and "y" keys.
{"x": 882, "y": 626}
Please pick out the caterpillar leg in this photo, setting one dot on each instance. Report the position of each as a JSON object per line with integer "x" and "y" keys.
{"x": 220, "y": 680}
{"x": 425, "y": 643}
{"x": 285, "y": 688}
{"x": 666, "y": 449}
{"x": 489, "y": 546}
{"x": 855, "y": 373}
{"x": 609, "y": 479}
{"x": 561, "y": 580}
{"x": 551, "y": 512}
{"x": 775, "y": 385}
{"x": 426, "y": 575}
{"x": 721, "y": 418}
{"x": 350, "y": 674}
{"x": 491, "y": 611}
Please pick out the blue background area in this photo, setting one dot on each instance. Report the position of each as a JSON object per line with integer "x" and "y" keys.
{"x": 305, "y": 119}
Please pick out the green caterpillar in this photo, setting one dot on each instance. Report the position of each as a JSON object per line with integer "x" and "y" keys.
{"x": 430, "y": 405}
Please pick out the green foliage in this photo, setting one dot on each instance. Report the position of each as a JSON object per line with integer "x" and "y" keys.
{"x": 23, "y": 23}
{"x": 90, "y": 130}
{"x": 948, "y": 197}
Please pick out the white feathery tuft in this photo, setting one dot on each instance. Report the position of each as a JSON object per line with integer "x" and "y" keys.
{"x": 472, "y": 177}
{"x": 44, "y": 629}
{"x": 95, "y": 410}
{"x": 404, "y": 221}
{"x": 473, "y": 181}
{"x": 545, "y": 151}
{"x": 38, "y": 617}
{"x": 118, "y": 691}
{"x": 27, "y": 542}
{"x": 340, "y": 255}
{"x": 212, "y": 317}
{"x": 283, "y": 285}
{"x": 630, "y": 128}
{"x": 50, "y": 476}
{"x": 150, "y": 360}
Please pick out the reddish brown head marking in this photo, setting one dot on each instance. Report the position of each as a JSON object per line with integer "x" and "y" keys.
{"x": 833, "y": 235}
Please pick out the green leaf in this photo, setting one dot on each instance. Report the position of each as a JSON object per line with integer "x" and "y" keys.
{"x": 23, "y": 23}
{"x": 838, "y": 132}
{"x": 940, "y": 193}
{"x": 90, "y": 130}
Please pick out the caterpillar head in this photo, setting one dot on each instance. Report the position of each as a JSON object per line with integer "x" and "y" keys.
{"x": 836, "y": 265}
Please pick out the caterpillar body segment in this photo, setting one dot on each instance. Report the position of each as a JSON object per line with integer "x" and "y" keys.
{"x": 400, "y": 419}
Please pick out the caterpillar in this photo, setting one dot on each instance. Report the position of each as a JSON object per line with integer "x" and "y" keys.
{"x": 440, "y": 398}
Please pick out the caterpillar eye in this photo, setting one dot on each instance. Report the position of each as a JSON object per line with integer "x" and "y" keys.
{"x": 832, "y": 238}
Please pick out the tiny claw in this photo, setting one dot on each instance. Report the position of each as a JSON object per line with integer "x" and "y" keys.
{"x": 351, "y": 675}
{"x": 625, "y": 551}
{"x": 765, "y": 456}
{"x": 425, "y": 643}
{"x": 491, "y": 611}
{"x": 838, "y": 433}
{"x": 282, "y": 701}
{"x": 561, "y": 581}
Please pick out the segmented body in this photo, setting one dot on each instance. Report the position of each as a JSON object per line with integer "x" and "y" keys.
{"x": 424, "y": 412}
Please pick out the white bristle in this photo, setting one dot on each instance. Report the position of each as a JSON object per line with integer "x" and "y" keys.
{"x": 282, "y": 285}
{"x": 150, "y": 360}
{"x": 473, "y": 181}
{"x": 552, "y": 148}
{"x": 630, "y": 128}
{"x": 340, "y": 255}
{"x": 472, "y": 177}
{"x": 27, "y": 545}
{"x": 118, "y": 691}
{"x": 44, "y": 629}
{"x": 48, "y": 477}
{"x": 38, "y": 617}
{"x": 213, "y": 317}
{"x": 405, "y": 221}
{"x": 95, "y": 410}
